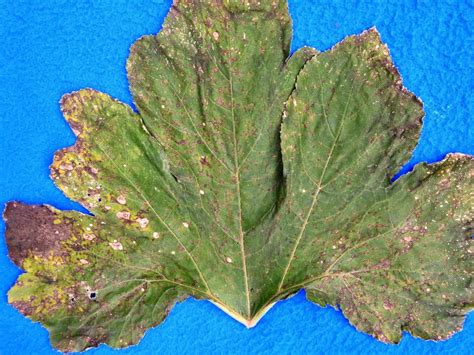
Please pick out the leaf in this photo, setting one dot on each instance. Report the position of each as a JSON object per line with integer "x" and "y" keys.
{"x": 393, "y": 256}
{"x": 198, "y": 194}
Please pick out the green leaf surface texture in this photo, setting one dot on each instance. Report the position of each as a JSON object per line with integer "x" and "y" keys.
{"x": 245, "y": 175}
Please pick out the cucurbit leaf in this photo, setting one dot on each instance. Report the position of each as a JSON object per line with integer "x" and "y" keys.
{"x": 200, "y": 194}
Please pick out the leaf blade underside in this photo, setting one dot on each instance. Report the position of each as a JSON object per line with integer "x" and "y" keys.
{"x": 200, "y": 194}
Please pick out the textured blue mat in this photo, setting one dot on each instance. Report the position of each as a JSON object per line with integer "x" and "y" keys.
{"x": 51, "y": 47}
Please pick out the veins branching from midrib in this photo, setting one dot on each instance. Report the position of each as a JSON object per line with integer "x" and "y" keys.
{"x": 316, "y": 194}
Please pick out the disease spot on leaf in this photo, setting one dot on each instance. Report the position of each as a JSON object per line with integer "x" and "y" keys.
{"x": 203, "y": 160}
{"x": 123, "y": 215}
{"x": 115, "y": 245}
{"x": 122, "y": 200}
{"x": 387, "y": 305}
{"x": 296, "y": 179}
{"x": 88, "y": 236}
{"x": 143, "y": 222}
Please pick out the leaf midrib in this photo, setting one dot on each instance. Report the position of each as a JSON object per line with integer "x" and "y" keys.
{"x": 237, "y": 177}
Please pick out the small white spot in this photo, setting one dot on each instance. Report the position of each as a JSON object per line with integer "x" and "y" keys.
{"x": 156, "y": 235}
{"x": 303, "y": 191}
{"x": 334, "y": 247}
{"x": 116, "y": 245}
{"x": 142, "y": 289}
{"x": 428, "y": 289}
{"x": 185, "y": 225}
{"x": 122, "y": 200}
{"x": 143, "y": 222}
{"x": 107, "y": 208}
{"x": 83, "y": 261}
{"x": 88, "y": 236}
{"x": 216, "y": 36}
{"x": 162, "y": 106}
{"x": 173, "y": 252}
{"x": 201, "y": 192}
{"x": 407, "y": 239}
{"x": 123, "y": 215}
{"x": 66, "y": 167}
{"x": 229, "y": 260}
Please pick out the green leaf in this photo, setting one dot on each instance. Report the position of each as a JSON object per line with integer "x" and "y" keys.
{"x": 393, "y": 256}
{"x": 206, "y": 193}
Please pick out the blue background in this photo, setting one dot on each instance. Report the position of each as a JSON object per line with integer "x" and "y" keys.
{"x": 49, "y": 48}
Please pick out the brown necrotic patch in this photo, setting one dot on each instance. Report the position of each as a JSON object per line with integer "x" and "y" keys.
{"x": 34, "y": 229}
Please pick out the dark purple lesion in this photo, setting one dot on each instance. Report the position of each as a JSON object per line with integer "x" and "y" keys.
{"x": 35, "y": 230}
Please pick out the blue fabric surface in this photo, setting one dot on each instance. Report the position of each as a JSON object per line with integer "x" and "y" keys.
{"x": 52, "y": 47}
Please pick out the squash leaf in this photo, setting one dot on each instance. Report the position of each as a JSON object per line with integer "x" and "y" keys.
{"x": 245, "y": 176}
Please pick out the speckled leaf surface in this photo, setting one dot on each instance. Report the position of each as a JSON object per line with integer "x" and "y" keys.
{"x": 206, "y": 193}
{"x": 393, "y": 256}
